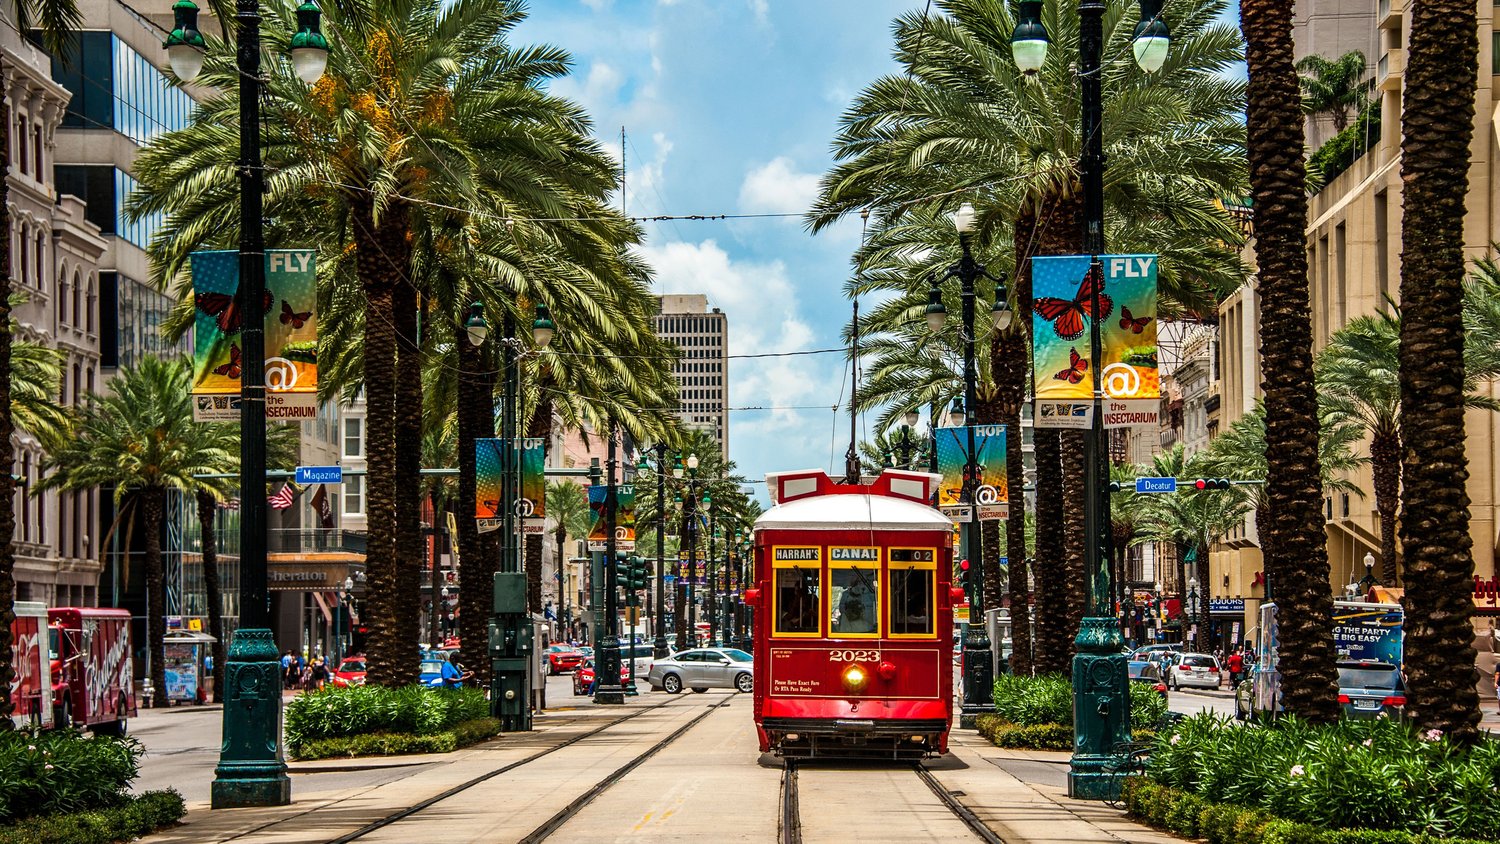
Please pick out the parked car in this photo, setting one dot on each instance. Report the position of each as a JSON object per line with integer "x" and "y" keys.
{"x": 1147, "y": 673}
{"x": 432, "y": 672}
{"x": 702, "y": 669}
{"x": 1368, "y": 688}
{"x": 351, "y": 671}
{"x": 1197, "y": 670}
{"x": 1154, "y": 653}
{"x": 583, "y": 677}
{"x": 562, "y": 658}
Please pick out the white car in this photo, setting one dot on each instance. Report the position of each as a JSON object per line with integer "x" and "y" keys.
{"x": 701, "y": 669}
{"x": 1195, "y": 670}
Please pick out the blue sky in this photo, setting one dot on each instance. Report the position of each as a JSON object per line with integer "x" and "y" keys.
{"x": 730, "y": 106}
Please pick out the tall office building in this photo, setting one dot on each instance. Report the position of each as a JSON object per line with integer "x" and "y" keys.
{"x": 702, "y": 372}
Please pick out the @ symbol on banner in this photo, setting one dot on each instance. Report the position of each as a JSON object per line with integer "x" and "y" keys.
{"x": 987, "y": 494}
{"x": 525, "y": 508}
{"x": 1121, "y": 380}
{"x": 281, "y": 375}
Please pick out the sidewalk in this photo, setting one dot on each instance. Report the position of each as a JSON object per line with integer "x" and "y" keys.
{"x": 1027, "y": 802}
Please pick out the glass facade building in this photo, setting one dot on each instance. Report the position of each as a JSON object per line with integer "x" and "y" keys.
{"x": 114, "y": 87}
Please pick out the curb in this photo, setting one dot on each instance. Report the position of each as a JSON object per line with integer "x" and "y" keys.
{"x": 321, "y": 766}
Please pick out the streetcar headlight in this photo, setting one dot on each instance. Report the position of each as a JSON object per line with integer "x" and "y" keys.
{"x": 855, "y": 679}
{"x": 792, "y": 737}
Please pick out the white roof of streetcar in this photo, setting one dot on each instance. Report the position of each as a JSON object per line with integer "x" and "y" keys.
{"x": 810, "y": 500}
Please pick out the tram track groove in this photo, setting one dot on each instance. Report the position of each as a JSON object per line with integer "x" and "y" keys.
{"x": 791, "y": 811}
{"x": 964, "y": 813}
{"x": 556, "y": 822}
{"x": 386, "y": 821}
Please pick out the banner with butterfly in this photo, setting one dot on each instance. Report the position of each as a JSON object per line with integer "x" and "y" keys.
{"x": 992, "y": 490}
{"x": 291, "y": 335}
{"x": 624, "y": 517}
{"x": 489, "y": 472}
{"x": 1063, "y": 308}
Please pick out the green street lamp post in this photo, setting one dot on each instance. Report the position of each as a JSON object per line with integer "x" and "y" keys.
{"x": 711, "y": 567}
{"x": 1101, "y": 693}
{"x": 659, "y": 647}
{"x": 252, "y": 766}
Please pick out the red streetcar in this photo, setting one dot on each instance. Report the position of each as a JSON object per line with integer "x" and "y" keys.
{"x": 853, "y": 608}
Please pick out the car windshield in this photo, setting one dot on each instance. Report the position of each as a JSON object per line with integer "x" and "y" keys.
{"x": 432, "y": 667}
{"x": 1200, "y": 661}
{"x": 737, "y": 655}
{"x": 1369, "y": 677}
{"x": 352, "y": 666}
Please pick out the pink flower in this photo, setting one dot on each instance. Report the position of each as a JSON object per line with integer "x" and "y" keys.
{"x": 1298, "y": 770}
{"x": 1432, "y": 735}
{"x": 47, "y": 767}
{"x": 31, "y": 747}
{"x": 1176, "y": 738}
{"x": 1369, "y": 742}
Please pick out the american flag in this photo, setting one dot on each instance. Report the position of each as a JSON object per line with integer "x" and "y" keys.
{"x": 283, "y": 498}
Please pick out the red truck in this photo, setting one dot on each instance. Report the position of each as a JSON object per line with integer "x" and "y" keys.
{"x": 92, "y": 674}
{"x": 31, "y": 687}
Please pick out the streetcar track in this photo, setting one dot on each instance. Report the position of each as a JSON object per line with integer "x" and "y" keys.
{"x": 563, "y": 815}
{"x": 465, "y": 786}
{"x": 791, "y": 812}
{"x": 964, "y": 813}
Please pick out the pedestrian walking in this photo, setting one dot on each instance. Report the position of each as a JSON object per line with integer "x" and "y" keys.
{"x": 1236, "y": 669}
{"x": 1497, "y": 683}
{"x": 289, "y": 670}
{"x": 318, "y": 674}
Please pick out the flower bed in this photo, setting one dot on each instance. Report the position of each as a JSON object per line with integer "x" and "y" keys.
{"x": 62, "y": 787}
{"x": 1036, "y": 713}
{"x": 1355, "y": 774}
{"x": 373, "y": 720}
{"x": 1192, "y": 816}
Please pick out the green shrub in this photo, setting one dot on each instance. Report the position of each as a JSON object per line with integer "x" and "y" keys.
{"x": 1224, "y": 823}
{"x": 63, "y": 771}
{"x": 1355, "y": 774}
{"x": 461, "y": 734}
{"x": 1338, "y": 153}
{"x": 355, "y": 710}
{"x": 134, "y": 817}
{"x": 1048, "y": 699}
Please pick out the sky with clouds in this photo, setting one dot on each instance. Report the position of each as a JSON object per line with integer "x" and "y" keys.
{"x": 730, "y": 106}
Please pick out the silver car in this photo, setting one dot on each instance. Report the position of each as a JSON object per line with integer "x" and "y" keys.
{"x": 1199, "y": 670}
{"x": 701, "y": 669}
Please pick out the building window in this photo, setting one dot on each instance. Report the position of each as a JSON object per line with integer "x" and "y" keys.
{"x": 63, "y": 289}
{"x": 354, "y": 495}
{"x": 36, "y": 153}
{"x": 354, "y": 442}
{"x": 41, "y": 259}
{"x": 77, "y": 294}
{"x": 22, "y": 162}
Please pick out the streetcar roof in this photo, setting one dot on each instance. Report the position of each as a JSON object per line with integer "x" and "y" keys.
{"x": 894, "y": 501}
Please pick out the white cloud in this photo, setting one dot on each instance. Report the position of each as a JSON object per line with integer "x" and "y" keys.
{"x": 597, "y": 5}
{"x": 778, "y": 188}
{"x": 603, "y": 83}
{"x": 762, "y": 11}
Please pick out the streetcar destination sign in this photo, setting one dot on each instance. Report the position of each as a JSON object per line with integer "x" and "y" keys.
{"x": 1145, "y": 485}
{"x": 798, "y": 554}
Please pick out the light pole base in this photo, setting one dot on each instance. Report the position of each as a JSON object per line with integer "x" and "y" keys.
{"x": 611, "y": 695}
{"x": 1101, "y": 711}
{"x": 252, "y": 768}
{"x": 660, "y": 649}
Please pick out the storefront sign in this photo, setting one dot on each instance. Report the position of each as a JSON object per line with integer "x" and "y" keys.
{"x": 1226, "y": 606}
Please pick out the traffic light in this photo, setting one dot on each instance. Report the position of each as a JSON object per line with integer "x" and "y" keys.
{"x": 640, "y": 573}
{"x": 1114, "y": 486}
{"x": 1211, "y": 484}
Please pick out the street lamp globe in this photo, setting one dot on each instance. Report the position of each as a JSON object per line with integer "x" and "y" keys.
{"x": 677, "y": 467}
{"x": 185, "y": 45}
{"x": 692, "y": 462}
{"x": 348, "y": 584}
{"x": 1151, "y": 37}
{"x": 1028, "y": 41}
{"x": 542, "y": 328}
{"x": 936, "y": 313}
{"x": 309, "y": 47}
{"x": 1001, "y": 312}
{"x": 912, "y": 418}
{"x": 957, "y": 416}
{"x": 1369, "y": 560}
{"x": 963, "y": 218}
{"x": 475, "y": 326}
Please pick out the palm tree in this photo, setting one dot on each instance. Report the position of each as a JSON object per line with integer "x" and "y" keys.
{"x": 1336, "y": 87}
{"x": 56, "y": 19}
{"x": 1437, "y": 125}
{"x": 475, "y": 129}
{"x": 568, "y": 508}
{"x": 1296, "y": 548}
{"x": 1358, "y": 378}
{"x": 141, "y": 439}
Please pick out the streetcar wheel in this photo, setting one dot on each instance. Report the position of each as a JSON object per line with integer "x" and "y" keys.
{"x": 744, "y": 683}
{"x": 698, "y": 690}
{"x": 671, "y": 684}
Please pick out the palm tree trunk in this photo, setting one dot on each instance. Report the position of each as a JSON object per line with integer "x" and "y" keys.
{"x": 1437, "y": 123}
{"x": 1293, "y": 490}
{"x": 207, "y": 511}
{"x": 411, "y": 547}
{"x": 7, "y": 428}
{"x": 539, "y": 426}
{"x": 153, "y": 506}
{"x": 1385, "y": 465}
{"x": 1054, "y": 635}
{"x": 383, "y": 260}
{"x": 1075, "y": 550}
{"x": 478, "y": 554}
{"x": 1010, "y": 367}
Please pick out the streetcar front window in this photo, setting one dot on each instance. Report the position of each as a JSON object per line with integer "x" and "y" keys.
{"x": 797, "y": 599}
{"x": 853, "y": 601}
{"x": 911, "y": 602}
